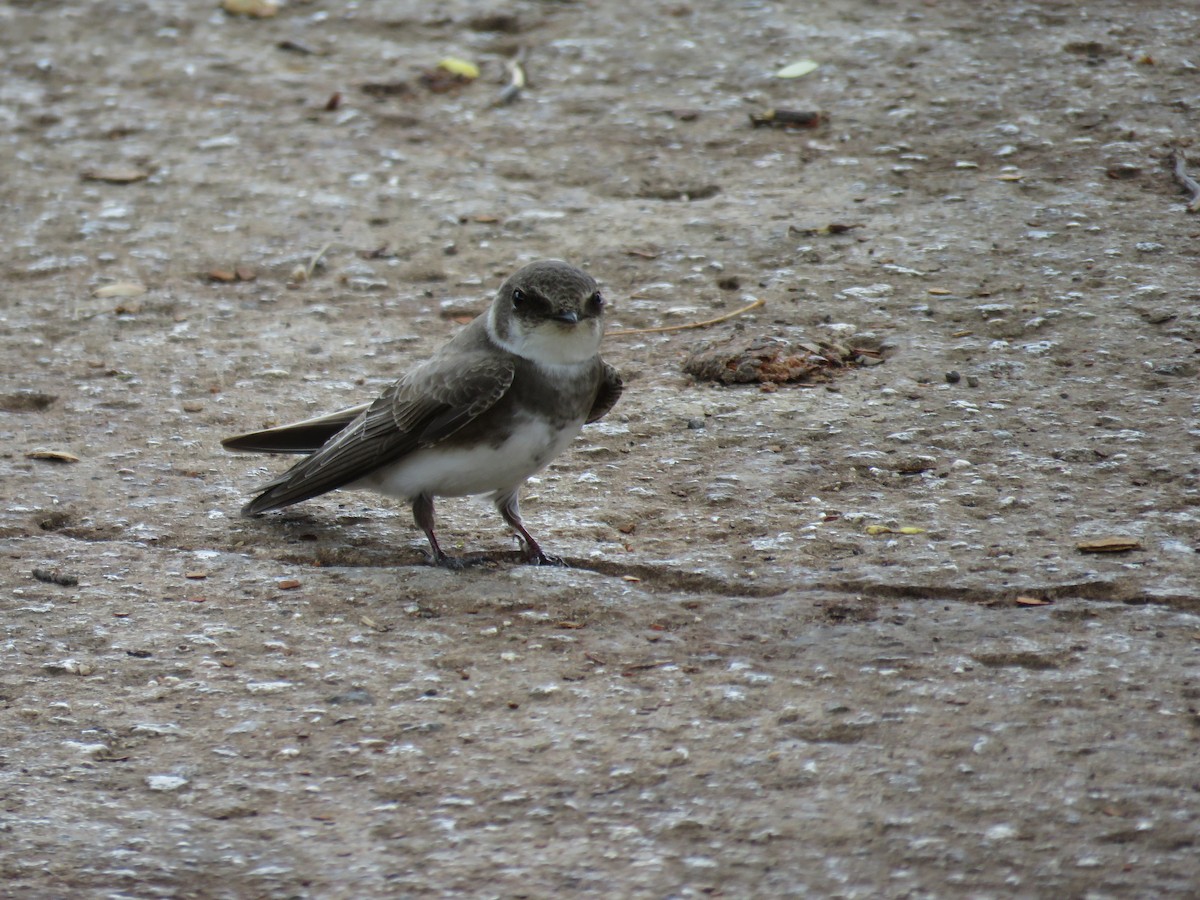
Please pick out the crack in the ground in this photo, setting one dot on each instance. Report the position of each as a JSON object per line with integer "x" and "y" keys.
{"x": 664, "y": 579}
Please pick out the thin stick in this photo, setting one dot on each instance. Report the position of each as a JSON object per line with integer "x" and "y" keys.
{"x": 664, "y": 328}
{"x": 312, "y": 263}
{"x": 1179, "y": 169}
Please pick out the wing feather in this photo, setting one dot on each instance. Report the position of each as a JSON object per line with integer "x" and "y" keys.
{"x": 611, "y": 386}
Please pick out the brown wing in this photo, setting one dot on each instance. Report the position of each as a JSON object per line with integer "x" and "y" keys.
{"x": 611, "y": 386}
{"x": 421, "y": 409}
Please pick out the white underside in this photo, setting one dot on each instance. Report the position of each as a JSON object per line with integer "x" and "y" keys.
{"x": 459, "y": 471}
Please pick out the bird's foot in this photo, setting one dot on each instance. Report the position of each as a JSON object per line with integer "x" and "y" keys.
{"x": 538, "y": 558}
{"x": 457, "y": 563}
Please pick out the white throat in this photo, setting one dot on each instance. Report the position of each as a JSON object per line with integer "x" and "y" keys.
{"x": 549, "y": 344}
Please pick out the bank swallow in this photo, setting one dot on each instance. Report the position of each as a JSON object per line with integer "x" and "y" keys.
{"x": 489, "y": 409}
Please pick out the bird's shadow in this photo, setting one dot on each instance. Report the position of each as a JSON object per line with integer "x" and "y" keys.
{"x": 305, "y": 538}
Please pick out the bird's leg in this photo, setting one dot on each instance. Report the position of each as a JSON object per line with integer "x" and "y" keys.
{"x": 510, "y": 510}
{"x": 422, "y": 508}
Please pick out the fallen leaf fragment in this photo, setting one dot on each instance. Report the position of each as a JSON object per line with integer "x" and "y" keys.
{"x": 288, "y": 584}
{"x": 255, "y": 9}
{"x": 831, "y": 228}
{"x": 120, "y": 289}
{"x": 51, "y": 576}
{"x": 116, "y": 174}
{"x": 53, "y": 456}
{"x": 787, "y": 118}
{"x": 798, "y": 69}
{"x": 297, "y": 47}
{"x": 226, "y": 276}
{"x": 384, "y": 89}
{"x": 1032, "y": 601}
{"x": 195, "y": 576}
{"x": 1109, "y": 545}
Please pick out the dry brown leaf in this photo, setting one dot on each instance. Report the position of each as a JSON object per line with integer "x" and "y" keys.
{"x": 117, "y": 174}
{"x": 1032, "y": 601}
{"x": 53, "y": 456}
{"x": 288, "y": 584}
{"x": 256, "y": 9}
{"x": 1113, "y": 544}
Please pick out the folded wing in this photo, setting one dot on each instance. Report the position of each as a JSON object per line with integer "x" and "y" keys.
{"x": 428, "y": 405}
{"x": 611, "y": 386}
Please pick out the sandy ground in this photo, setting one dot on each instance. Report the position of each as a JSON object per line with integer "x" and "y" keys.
{"x": 828, "y": 640}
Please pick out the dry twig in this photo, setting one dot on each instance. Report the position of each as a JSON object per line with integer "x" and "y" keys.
{"x": 665, "y": 328}
{"x": 1179, "y": 169}
{"x": 516, "y": 81}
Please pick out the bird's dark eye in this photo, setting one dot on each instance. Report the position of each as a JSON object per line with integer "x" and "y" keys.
{"x": 518, "y": 297}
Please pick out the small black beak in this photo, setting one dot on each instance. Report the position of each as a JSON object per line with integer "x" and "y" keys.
{"x": 570, "y": 317}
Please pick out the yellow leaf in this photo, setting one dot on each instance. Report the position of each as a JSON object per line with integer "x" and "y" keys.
{"x": 887, "y": 529}
{"x": 461, "y": 67}
{"x": 797, "y": 69}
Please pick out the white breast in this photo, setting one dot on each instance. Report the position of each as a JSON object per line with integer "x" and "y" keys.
{"x": 456, "y": 471}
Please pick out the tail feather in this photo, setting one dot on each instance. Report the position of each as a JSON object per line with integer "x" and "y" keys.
{"x": 299, "y": 437}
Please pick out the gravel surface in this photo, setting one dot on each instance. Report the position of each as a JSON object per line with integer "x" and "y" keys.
{"x": 925, "y": 624}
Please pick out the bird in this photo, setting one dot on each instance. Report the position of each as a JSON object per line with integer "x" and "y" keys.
{"x": 488, "y": 410}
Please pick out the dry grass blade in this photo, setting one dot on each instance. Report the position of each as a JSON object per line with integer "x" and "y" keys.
{"x": 661, "y": 329}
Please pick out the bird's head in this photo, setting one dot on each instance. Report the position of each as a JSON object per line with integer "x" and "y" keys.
{"x": 549, "y": 312}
